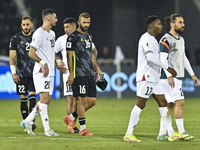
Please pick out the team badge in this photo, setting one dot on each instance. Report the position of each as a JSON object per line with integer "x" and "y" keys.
{"x": 147, "y": 44}
{"x": 69, "y": 44}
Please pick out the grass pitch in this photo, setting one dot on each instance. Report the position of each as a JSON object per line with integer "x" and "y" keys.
{"x": 108, "y": 120}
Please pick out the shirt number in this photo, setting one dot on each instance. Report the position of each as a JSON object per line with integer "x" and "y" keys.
{"x": 82, "y": 89}
{"x": 149, "y": 90}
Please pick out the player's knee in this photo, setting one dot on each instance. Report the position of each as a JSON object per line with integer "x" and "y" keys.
{"x": 93, "y": 102}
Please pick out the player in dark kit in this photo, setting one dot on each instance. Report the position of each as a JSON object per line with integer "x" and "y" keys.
{"x": 80, "y": 63}
{"x": 21, "y": 66}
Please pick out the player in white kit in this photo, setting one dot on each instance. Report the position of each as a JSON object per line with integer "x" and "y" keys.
{"x": 69, "y": 25}
{"x": 147, "y": 79}
{"x": 42, "y": 50}
{"x": 172, "y": 52}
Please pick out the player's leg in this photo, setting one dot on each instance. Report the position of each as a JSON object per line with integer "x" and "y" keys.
{"x": 22, "y": 91}
{"x": 170, "y": 106}
{"x": 166, "y": 118}
{"x": 32, "y": 99}
{"x": 32, "y": 94}
{"x": 70, "y": 104}
{"x": 45, "y": 98}
{"x": 23, "y": 106}
{"x": 134, "y": 118}
{"x": 144, "y": 90}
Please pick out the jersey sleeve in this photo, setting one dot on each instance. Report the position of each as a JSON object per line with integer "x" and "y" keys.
{"x": 148, "y": 48}
{"x": 164, "y": 45}
{"x": 71, "y": 43}
{"x": 13, "y": 43}
{"x": 36, "y": 40}
{"x": 93, "y": 46}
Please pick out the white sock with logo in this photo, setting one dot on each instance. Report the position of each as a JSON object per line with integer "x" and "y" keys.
{"x": 180, "y": 126}
{"x": 134, "y": 118}
{"x": 29, "y": 119}
{"x": 166, "y": 118}
{"x": 44, "y": 116}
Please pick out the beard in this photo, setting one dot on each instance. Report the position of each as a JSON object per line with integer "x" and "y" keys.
{"x": 26, "y": 31}
{"x": 179, "y": 31}
{"x": 84, "y": 29}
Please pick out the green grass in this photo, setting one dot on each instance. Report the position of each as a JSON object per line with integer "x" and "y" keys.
{"x": 108, "y": 120}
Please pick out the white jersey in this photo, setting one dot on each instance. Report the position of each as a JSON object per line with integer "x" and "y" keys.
{"x": 175, "y": 47}
{"x": 147, "y": 71}
{"x": 44, "y": 43}
{"x": 60, "y": 46}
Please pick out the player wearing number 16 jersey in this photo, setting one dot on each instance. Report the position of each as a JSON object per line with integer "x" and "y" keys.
{"x": 80, "y": 62}
{"x": 22, "y": 66}
{"x": 148, "y": 77}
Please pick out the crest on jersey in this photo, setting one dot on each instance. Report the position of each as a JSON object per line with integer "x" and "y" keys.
{"x": 69, "y": 45}
{"x": 147, "y": 44}
{"x": 22, "y": 42}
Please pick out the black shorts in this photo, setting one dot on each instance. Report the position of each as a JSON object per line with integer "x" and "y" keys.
{"x": 84, "y": 87}
{"x": 25, "y": 84}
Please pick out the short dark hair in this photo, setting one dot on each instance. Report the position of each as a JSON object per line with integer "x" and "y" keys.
{"x": 27, "y": 17}
{"x": 47, "y": 12}
{"x": 171, "y": 18}
{"x": 84, "y": 15}
{"x": 69, "y": 20}
{"x": 150, "y": 19}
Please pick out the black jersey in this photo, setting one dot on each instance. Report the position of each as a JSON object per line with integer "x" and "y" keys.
{"x": 24, "y": 64}
{"x": 81, "y": 44}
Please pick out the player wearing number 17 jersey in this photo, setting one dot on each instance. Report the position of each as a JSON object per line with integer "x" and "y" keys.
{"x": 22, "y": 66}
{"x": 148, "y": 77}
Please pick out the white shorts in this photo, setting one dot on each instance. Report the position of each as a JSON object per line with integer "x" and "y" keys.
{"x": 145, "y": 89}
{"x": 43, "y": 84}
{"x": 67, "y": 88}
{"x": 173, "y": 94}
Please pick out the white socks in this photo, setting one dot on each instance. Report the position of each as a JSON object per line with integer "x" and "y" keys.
{"x": 82, "y": 127}
{"x": 180, "y": 126}
{"x": 32, "y": 115}
{"x": 44, "y": 116}
{"x": 71, "y": 117}
{"x": 134, "y": 118}
{"x": 166, "y": 120}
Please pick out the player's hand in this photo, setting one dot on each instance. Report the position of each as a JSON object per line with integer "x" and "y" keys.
{"x": 98, "y": 72}
{"x": 15, "y": 78}
{"x": 195, "y": 80}
{"x": 60, "y": 65}
{"x": 70, "y": 79}
{"x": 46, "y": 70}
{"x": 172, "y": 71}
{"x": 63, "y": 70}
{"x": 171, "y": 82}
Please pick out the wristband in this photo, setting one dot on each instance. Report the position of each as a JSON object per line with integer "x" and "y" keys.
{"x": 13, "y": 69}
{"x": 42, "y": 62}
{"x": 59, "y": 62}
